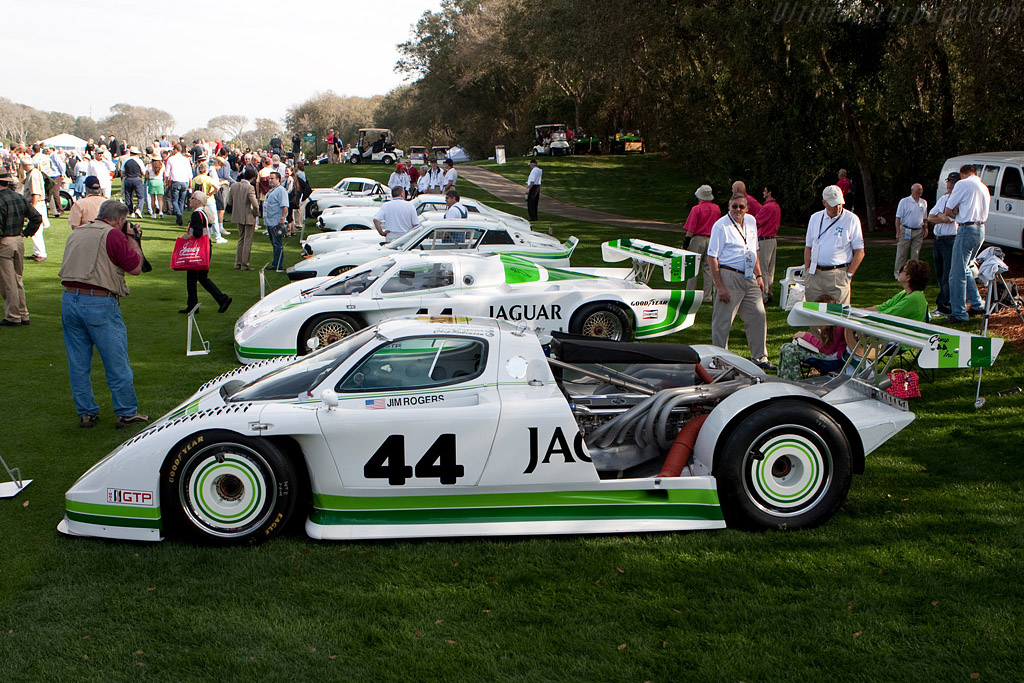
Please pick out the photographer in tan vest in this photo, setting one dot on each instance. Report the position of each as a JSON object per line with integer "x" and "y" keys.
{"x": 96, "y": 257}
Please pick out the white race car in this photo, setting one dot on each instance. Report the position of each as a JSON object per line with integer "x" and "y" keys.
{"x": 344, "y": 219}
{"x": 347, "y": 192}
{"x": 444, "y": 427}
{"x": 472, "y": 235}
{"x": 615, "y": 303}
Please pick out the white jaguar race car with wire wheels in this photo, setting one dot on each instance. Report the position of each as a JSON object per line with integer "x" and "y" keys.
{"x": 347, "y": 192}
{"x": 444, "y": 427}
{"x": 337, "y": 221}
{"x": 614, "y": 303}
{"x": 469, "y": 235}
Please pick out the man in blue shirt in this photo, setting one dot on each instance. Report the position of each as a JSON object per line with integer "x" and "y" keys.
{"x": 57, "y": 170}
{"x": 275, "y": 210}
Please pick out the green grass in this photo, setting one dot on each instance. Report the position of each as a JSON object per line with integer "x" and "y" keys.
{"x": 641, "y": 186}
{"x": 917, "y": 578}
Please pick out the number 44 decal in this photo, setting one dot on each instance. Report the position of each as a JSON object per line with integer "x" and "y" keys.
{"x": 437, "y": 463}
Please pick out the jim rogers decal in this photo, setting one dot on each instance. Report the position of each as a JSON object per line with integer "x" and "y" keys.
{"x": 403, "y": 401}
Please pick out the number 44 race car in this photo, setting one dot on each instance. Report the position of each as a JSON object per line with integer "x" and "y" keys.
{"x": 433, "y": 427}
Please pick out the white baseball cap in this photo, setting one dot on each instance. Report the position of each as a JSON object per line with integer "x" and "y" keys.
{"x": 833, "y": 196}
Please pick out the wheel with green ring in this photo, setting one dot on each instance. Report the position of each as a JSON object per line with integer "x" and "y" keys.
{"x": 786, "y": 465}
{"x": 223, "y": 488}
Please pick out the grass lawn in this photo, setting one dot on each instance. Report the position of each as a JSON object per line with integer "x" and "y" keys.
{"x": 919, "y": 576}
{"x": 638, "y": 185}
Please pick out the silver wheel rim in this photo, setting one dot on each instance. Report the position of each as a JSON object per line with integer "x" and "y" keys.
{"x": 330, "y": 331}
{"x": 787, "y": 470}
{"x": 227, "y": 490}
{"x": 603, "y": 324}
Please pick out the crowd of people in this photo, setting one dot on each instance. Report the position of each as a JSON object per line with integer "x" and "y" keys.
{"x": 739, "y": 248}
{"x": 215, "y": 179}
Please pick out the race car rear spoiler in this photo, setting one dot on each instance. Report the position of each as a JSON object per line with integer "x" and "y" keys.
{"x": 677, "y": 264}
{"x": 941, "y": 347}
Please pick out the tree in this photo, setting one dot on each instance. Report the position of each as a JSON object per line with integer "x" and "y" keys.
{"x": 230, "y": 126}
{"x": 15, "y": 120}
{"x": 326, "y": 110}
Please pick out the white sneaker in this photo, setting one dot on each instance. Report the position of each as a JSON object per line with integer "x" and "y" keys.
{"x": 221, "y": 240}
{"x": 224, "y": 233}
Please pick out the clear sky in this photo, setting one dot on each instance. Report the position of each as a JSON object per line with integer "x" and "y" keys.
{"x": 186, "y": 56}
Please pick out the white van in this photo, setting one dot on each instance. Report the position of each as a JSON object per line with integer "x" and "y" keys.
{"x": 1001, "y": 172}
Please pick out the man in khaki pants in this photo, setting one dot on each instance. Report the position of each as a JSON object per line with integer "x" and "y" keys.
{"x": 911, "y": 227}
{"x": 244, "y": 212}
{"x": 739, "y": 283}
{"x": 14, "y": 209}
{"x": 833, "y": 249}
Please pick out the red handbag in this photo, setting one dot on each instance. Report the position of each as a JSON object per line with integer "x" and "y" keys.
{"x": 191, "y": 253}
{"x": 903, "y": 384}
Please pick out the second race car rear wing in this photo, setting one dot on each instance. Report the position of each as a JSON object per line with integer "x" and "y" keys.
{"x": 677, "y": 265}
{"x": 940, "y": 347}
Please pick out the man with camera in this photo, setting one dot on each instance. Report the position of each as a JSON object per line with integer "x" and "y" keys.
{"x": 96, "y": 257}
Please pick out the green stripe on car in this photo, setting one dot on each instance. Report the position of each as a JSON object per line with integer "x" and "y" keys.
{"x": 518, "y": 514}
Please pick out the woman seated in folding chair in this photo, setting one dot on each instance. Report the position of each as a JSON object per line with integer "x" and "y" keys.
{"x": 823, "y": 352}
{"x": 909, "y": 304}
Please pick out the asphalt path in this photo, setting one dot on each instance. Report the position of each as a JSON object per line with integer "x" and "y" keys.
{"x": 515, "y": 194}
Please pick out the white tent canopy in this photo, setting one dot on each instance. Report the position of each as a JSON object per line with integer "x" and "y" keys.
{"x": 66, "y": 141}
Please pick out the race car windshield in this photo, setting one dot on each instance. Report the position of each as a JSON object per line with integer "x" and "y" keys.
{"x": 303, "y": 375}
{"x": 357, "y": 280}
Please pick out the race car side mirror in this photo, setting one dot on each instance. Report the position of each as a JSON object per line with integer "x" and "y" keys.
{"x": 313, "y": 343}
{"x": 330, "y": 399}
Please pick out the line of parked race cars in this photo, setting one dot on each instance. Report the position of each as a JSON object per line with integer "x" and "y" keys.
{"x": 467, "y": 381}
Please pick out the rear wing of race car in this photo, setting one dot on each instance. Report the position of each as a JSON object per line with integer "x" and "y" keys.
{"x": 677, "y": 264}
{"x": 940, "y": 347}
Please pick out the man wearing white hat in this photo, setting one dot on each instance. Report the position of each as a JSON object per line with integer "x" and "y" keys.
{"x": 132, "y": 184}
{"x": 833, "y": 249}
{"x": 698, "y": 230}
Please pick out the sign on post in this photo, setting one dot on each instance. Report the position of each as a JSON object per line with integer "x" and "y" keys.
{"x": 499, "y": 154}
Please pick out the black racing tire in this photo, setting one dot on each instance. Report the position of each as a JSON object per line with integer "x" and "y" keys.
{"x": 328, "y": 328}
{"x": 312, "y": 210}
{"x": 66, "y": 200}
{"x": 388, "y": 160}
{"x": 356, "y": 159}
{"x": 222, "y": 488}
{"x": 604, "y": 320}
{"x": 785, "y": 465}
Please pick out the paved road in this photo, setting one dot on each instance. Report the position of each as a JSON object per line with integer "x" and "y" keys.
{"x": 508, "y": 191}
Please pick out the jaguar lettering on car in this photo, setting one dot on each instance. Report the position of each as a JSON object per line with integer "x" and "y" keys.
{"x": 518, "y": 312}
{"x": 558, "y": 445}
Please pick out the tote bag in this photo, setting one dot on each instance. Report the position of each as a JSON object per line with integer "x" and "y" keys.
{"x": 191, "y": 253}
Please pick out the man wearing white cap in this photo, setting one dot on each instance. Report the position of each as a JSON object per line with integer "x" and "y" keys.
{"x": 833, "y": 249}
{"x": 698, "y": 230}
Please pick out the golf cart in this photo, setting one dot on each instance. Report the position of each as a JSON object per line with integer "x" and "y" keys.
{"x": 374, "y": 145}
{"x": 417, "y": 153}
{"x": 550, "y": 139}
{"x": 439, "y": 152}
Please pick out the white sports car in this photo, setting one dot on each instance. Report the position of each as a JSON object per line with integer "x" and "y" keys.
{"x": 345, "y": 219}
{"x": 473, "y": 235}
{"x": 603, "y": 302}
{"x": 441, "y": 427}
{"x": 347, "y": 192}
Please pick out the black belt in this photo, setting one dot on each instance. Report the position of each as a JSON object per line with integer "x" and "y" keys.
{"x": 945, "y": 237}
{"x": 981, "y": 223}
{"x": 841, "y": 265}
{"x": 735, "y": 270}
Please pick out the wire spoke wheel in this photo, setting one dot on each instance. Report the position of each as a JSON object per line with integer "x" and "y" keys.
{"x": 604, "y": 321}
{"x": 332, "y": 330}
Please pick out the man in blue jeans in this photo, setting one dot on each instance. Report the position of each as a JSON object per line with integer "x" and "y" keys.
{"x": 178, "y": 169}
{"x": 944, "y": 234}
{"x": 968, "y": 204}
{"x": 96, "y": 257}
{"x": 275, "y": 212}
